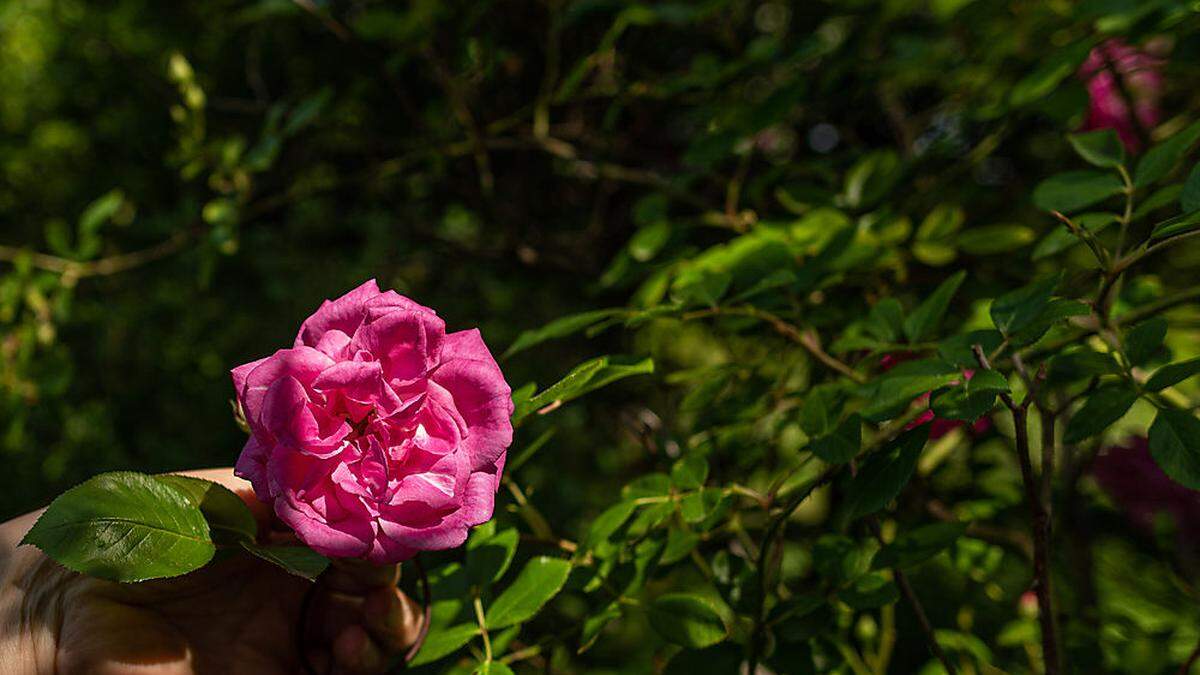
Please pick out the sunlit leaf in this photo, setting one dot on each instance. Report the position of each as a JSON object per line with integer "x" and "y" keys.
{"x": 124, "y": 526}
{"x": 540, "y": 580}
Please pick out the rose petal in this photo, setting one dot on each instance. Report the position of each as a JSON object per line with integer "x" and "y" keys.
{"x": 484, "y": 400}
{"x": 252, "y": 466}
{"x": 407, "y": 343}
{"x": 288, "y": 415}
{"x": 330, "y": 530}
{"x": 447, "y": 531}
{"x": 344, "y": 314}
{"x": 301, "y": 363}
{"x": 355, "y": 388}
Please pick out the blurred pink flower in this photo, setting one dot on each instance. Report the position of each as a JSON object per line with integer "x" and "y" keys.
{"x": 377, "y": 434}
{"x": 1135, "y": 482}
{"x": 1140, "y": 76}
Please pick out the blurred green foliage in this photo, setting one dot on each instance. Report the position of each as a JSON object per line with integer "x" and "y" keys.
{"x": 756, "y": 190}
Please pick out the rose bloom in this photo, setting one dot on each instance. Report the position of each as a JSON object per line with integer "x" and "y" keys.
{"x": 1141, "y": 77}
{"x": 1129, "y": 474}
{"x": 377, "y": 435}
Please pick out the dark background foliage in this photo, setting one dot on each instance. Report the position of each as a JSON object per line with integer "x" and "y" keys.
{"x": 182, "y": 183}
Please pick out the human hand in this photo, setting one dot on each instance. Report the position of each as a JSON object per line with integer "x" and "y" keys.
{"x": 239, "y": 615}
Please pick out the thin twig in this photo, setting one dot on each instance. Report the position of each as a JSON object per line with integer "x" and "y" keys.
{"x": 805, "y": 338}
{"x": 102, "y": 266}
{"x": 910, "y": 595}
{"x": 1191, "y": 660}
{"x": 328, "y": 21}
{"x": 483, "y": 631}
{"x": 1041, "y": 521}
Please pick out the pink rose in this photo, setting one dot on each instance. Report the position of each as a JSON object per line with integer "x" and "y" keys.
{"x": 377, "y": 435}
{"x": 1129, "y": 474}
{"x": 1143, "y": 82}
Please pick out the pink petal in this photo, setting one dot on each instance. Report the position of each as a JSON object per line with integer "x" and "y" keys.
{"x": 337, "y": 532}
{"x": 484, "y": 400}
{"x": 334, "y": 344}
{"x": 252, "y": 466}
{"x": 448, "y": 531}
{"x": 240, "y": 374}
{"x": 288, "y": 415}
{"x": 344, "y": 314}
{"x": 407, "y": 343}
{"x": 356, "y": 388}
{"x": 301, "y": 363}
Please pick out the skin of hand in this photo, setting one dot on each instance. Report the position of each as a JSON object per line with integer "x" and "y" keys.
{"x": 239, "y": 616}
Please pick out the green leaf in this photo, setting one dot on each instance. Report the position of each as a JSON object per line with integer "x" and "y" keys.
{"x": 961, "y": 404}
{"x": 649, "y": 240}
{"x": 956, "y": 349}
{"x": 299, "y": 560}
{"x": 1061, "y": 238}
{"x": 492, "y": 668}
{"x": 871, "y": 178}
{"x": 1105, "y": 406}
{"x": 885, "y": 474}
{"x": 705, "y": 508}
{"x": 840, "y": 559}
{"x": 1172, "y": 374}
{"x": 1058, "y": 309}
{"x": 924, "y": 321}
{"x": 941, "y": 223}
{"x": 96, "y": 214}
{"x": 934, "y": 253}
{"x": 1160, "y": 159}
{"x": 1099, "y": 148}
{"x": 680, "y": 543}
{"x": 1189, "y": 199}
{"x": 609, "y": 522}
{"x": 489, "y": 553}
{"x": 443, "y": 642}
{"x": 1175, "y": 446}
{"x": 1045, "y": 79}
{"x": 124, "y": 526}
{"x": 1074, "y": 190}
{"x": 559, "y": 328}
{"x": 993, "y": 239}
{"x": 593, "y": 624}
{"x": 647, "y": 485}
{"x": 1145, "y": 339}
{"x": 689, "y": 472}
{"x": 587, "y": 376}
{"x": 842, "y": 444}
{"x": 870, "y": 591}
{"x": 885, "y": 320}
{"x": 307, "y": 111}
{"x": 887, "y": 395}
{"x": 229, "y": 519}
{"x": 700, "y": 286}
{"x": 1081, "y": 363}
{"x": 1177, "y": 225}
{"x": 1013, "y": 311}
{"x": 693, "y": 621}
{"x": 915, "y": 547}
{"x": 1161, "y": 198}
{"x": 540, "y": 580}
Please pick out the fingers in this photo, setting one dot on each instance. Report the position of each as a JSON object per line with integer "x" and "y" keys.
{"x": 354, "y": 652}
{"x": 367, "y": 621}
{"x": 359, "y": 576}
{"x": 392, "y": 618}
